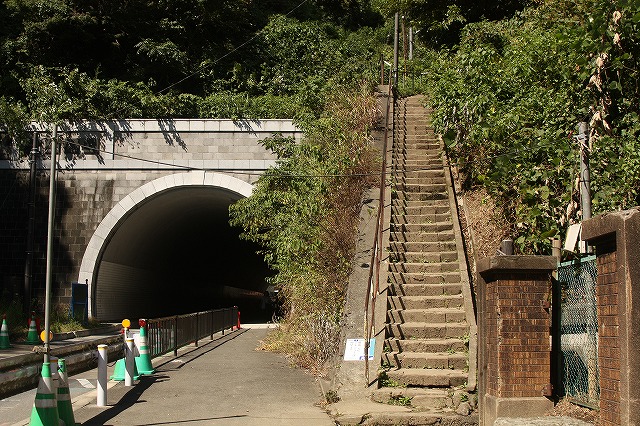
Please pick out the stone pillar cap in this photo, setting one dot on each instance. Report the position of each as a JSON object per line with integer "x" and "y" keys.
{"x": 607, "y": 223}
{"x": 491, "y": 265}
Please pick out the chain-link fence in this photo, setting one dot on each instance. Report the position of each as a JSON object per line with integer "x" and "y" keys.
{"x": 579, "y": 331}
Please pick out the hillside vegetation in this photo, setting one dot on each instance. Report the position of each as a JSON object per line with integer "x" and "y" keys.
{"x": 508, "y": 99}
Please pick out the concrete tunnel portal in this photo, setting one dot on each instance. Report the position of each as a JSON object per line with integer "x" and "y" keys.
{"x": 176, "y": 253}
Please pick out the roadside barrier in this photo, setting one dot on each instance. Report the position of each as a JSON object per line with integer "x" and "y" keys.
{"x": 65, "y": 409}
{"x": 4, "y": 334}
{"x": 103, "y": 359}
{"x": 32, "y": 334}
{"x": 170, "y": 333}
{"x": 45, "y": 407}
{"x": 129, "y": 362}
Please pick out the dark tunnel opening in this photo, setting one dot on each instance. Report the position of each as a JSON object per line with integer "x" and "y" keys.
{"x": 177, "y": 254}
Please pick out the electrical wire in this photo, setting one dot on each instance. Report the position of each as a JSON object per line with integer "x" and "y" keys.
{"x": 391, "y": 168}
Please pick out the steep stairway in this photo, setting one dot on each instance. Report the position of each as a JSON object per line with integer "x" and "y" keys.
{"x": 426, "y": 354}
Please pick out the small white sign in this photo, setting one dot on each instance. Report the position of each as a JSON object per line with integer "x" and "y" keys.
{"x": 354, "y": 350}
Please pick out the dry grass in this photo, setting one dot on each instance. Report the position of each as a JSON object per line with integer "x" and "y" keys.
{"x": 488, "y": 227}
{"x": 566, "y": 408}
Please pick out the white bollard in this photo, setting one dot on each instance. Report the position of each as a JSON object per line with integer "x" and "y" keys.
{"x": 129, "y": 362}
{"x": 102, "y": 375}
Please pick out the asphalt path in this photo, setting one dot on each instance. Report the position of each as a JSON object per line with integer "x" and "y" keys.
{"x": 223, "y": 382}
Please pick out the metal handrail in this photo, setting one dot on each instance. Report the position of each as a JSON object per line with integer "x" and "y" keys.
{"x": 171, "y": 333}
{"x": 373, "y": 286}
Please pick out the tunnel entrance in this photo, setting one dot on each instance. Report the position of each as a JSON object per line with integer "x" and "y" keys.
{"x": 176, "y": 253}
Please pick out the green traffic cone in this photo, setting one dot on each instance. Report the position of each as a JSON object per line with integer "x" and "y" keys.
{"x": 120, "y": 369}
{"x": 45, "y": 408}
{"x": 65, "y": 410}
{"x": 143, "y": 361}
{"x": 4, "y": 334}
{"x": 32, "y": 335}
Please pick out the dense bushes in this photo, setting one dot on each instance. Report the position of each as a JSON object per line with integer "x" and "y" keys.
{"x": 509, "y": 99}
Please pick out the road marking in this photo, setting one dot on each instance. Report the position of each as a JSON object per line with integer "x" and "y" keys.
{"x": 86, "y": 383}
{"x": 177, "y": 360}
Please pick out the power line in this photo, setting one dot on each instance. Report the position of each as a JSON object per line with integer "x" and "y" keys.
{"x": 390, "y": 168}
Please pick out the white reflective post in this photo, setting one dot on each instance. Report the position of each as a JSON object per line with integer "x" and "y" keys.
{"x": 129, "y": 362}
{"x": 102, "y": 376}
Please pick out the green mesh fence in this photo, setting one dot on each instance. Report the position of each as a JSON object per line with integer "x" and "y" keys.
{"x": 579, "y": 331}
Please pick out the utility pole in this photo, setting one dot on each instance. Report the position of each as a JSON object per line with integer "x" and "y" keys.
{"x": 585, "y": 178}
{"x": 52, "y": 209}
{"x": 410, "y": 43}
{"x": 28, "y": 268}
{"x": 395, "y": 49}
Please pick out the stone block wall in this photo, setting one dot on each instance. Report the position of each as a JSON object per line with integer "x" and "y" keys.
{"x": 91, "y": 183}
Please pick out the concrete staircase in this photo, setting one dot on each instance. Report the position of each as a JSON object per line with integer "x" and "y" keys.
{"x": 426, "y": 355}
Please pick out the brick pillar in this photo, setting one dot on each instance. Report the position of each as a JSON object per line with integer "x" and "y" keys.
{"x": 514, "y": 365}
{"x": 616, "y": 238}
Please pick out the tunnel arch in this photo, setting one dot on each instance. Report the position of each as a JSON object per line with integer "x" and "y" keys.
{"x": 160, "y": 249}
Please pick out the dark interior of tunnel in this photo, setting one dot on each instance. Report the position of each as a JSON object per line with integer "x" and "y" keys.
{"x": 176, "y": 254}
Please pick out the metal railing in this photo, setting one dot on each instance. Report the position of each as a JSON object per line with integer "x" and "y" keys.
{"x": 171, "y": 333}
{"x": 373, "y": 283}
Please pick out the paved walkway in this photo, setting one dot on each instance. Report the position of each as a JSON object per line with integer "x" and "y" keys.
{"x": 224, "y": 382}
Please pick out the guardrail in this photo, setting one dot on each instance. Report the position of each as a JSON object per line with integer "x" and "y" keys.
{"x": 171, "y": 333}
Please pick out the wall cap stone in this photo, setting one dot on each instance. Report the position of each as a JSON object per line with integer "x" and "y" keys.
{"x": 490, "y": 266}
{"x": 607, "y": 223}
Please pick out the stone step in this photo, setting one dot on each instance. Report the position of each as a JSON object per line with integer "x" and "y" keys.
{"x": 420, "y": 219}
{"x": 417, "y": 145}
{"x": 418, "y": 180}
{"x": 415, "y": 166}
{"x": 425, "y": 188}
{"x": 428, "y": 360}
{"x": 421, "y": 330}
{"x": 403, "y": 236}
{"x": 422, "y": 227}
{"x": 425, "y": 399}
{"x": 425, "y": 302}
{"x": 403, "y": 155}
{"x": 428, "y": 377}
{"x": 423, "y": 257}
{"x": 414, "y": 179}
{"x": 438, "y": 267}
{"x": 398, "y": 289}
{"x": 452, "y": 277}
{"x": 420, "y": 246}
{"x": 420, "y": 196}
{"x": 444, "y": 418}
{"x": 421, "y": 209}
{"x": 424, "y": 173}
{"x": 452, "y": 344}
{"x": 434, "y": 315}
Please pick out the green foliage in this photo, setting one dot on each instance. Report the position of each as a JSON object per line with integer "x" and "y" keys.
{"x": 63, "y": 59}
{"x": 440, "y": 22}
{"x": 509, "y": 99}
{"x": 304, "y": 214}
